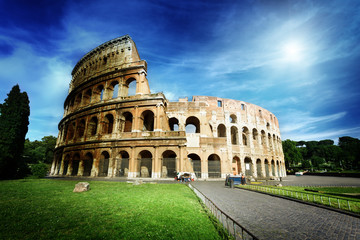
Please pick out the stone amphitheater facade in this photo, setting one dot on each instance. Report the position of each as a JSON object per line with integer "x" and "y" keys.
{"x": 113, "y": 126}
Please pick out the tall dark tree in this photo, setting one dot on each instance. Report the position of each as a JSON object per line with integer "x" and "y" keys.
{"x": 351, "y": 152}
{"x": 14, "y": 121}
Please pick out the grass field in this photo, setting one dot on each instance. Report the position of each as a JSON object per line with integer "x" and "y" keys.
{"x": 345, "y": 198}
{"x": 48, "y": 209}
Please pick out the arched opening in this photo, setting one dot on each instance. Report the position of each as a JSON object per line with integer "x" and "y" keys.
{"x": 214, "y": 166}
{"x": 66, "y": 164}
{"x": 145, "y": 159}
{"x": 267, "y": 168}
{"x": 108, "y": 124}
{"x": 274, "y": 142}
{"x": 273, "y": 168}
{"x": 221, "y": 130}
{"x": 192, "y": 125}
{"x": 128, "y": 118}
{"x": 168, "y": 168}
{"x": 233, "y": 118}
{"x": 248, "y": 166}
{"x": 255, "y": 136}
{"x": 88, "y": 163}
{"x": 87, "y": 97}
{"x": 104, "y": 164}
{"x": 174, "y": 124}
{"x": 78, "y": 100}
{"x": 278, "y": 168}
{"x": 71, "y": 104}
{"x": 270, "y": 142}
{"x": 236, "y": 165}
{"x": 130, "y": 87}
{"x": 263, "y": 138}
{"x": 245, "y": 136}
{"x": 99, "y": 93}
{"x": 114, "y": 89}
{"x": 196, "y": 164}
{"x": 148, "y": 120}
{"x": 234, "y": 136}
{"x": 92, "y": 126}
{"x": 268, "y": 126}
{"x": 122, "y": 164}
{"x": 258, "y": 168}
{"x": 81, "y": 128}
{"x": 75, "y": 164}
{"x": 66, "y": 129}
{"x": 71, "y": 131}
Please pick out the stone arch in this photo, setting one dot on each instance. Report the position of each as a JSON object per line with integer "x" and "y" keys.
{"x": 192, "y": 125}
{"x": 92, "y": 126}
{"x": 196, "y": 164}
{"x": 108, "y": 124}
{"x": 267, "y": 172}
{"x": 87, "y": 97}
{"x": 145, "y": 163}
{"x": 80, "y": 128}
{"x": 99, "y": 93}
{"x": 214, "y": 166}
{"x": 255, "y": 136}
{"x": 122, "y": 164}
{"x": 278, "y": 168}
{"x": 174, "y": 124}
{"x": 221, "y": 130}
{"x": 128, "y": 119}
{"x": 78, "y": 99}
{"x": 270, "y": 142}
{"x": 248, "y": 166}
{"x": 147, "y": 118}
{"x": 114, "y": 89}
{"x": 263, "y": 138}
{"x": 168, "y": 168}
{"x": 66, "y": 164}
{"x": 234, "y": 135}
{"x": 273, "y": 167}
{"x": 258, "y": 168}
{"x": 88, "y": 164}
{"x": 130, "y": 87}
{"x": 236, "y": 165}
{"x": 75, "y": 164}
{"x": 71, "y": 104}
{"x": 71, "y": 131}
{"x": 233, "y": 118}
{"x": 268, "y": 126}
{"x": 104, "y": 164}
{"x": 245, "y": 136}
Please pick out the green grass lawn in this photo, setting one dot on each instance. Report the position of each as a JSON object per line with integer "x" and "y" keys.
{"x": 48, "y": 209}
{"x": 345, "y": 198}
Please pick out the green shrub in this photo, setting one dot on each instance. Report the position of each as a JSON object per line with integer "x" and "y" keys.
{"x": 39, "y": 170}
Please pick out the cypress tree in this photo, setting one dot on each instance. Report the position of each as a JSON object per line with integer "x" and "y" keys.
{"x": 14, "y": 121}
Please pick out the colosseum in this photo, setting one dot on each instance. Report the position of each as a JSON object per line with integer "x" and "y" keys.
{"x": 113, "y": 126}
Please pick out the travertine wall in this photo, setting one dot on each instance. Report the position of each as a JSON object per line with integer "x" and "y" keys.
{"x": 109, "y": 131}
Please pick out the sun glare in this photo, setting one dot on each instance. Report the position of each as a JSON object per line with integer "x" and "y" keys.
{"x": 293, "y": 51}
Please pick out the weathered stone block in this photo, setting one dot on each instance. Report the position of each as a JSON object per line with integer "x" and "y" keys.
{"x": 82, "y": 187}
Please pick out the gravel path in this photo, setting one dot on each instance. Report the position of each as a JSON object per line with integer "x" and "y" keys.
{"x": 270, "y": 217}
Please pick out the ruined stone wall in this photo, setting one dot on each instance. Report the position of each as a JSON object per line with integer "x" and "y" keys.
{"x": 108, "y": 130}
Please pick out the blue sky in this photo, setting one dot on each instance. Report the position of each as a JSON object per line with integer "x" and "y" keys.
{"x": 298, "y": 59}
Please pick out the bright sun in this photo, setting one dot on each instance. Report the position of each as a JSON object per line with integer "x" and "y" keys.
{"x": 293, "y": 51}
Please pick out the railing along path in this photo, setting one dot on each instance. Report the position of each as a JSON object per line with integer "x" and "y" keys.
{"x": 233, "y": 227}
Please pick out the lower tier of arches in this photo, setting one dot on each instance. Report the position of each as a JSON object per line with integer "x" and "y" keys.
{"x": 160, "y": 162}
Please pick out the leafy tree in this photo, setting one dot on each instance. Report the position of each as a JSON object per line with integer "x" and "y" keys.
{"x": 14, "y": 121}
{"x": 40, "y": 151}
{"x": 292, "y": 154}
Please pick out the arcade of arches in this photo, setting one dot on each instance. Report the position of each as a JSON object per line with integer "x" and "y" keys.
{"x": 113, "y": 126}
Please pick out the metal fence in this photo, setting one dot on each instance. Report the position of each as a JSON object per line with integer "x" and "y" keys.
{"x": 335, "y": 202}
{"x": 233, "y": 227}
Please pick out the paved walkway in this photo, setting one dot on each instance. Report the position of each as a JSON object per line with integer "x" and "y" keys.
{"x": 270, "y": 217}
